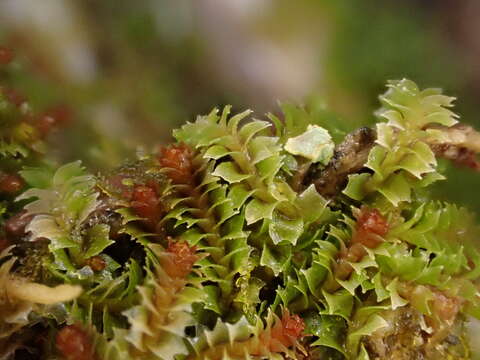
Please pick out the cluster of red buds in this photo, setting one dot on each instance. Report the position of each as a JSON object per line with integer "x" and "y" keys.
{"x": 73, "y": 343}
{"x": 177, "y": 159}
{"x": 370, "y": 229}
{"x": 182, "y": 258}
{"x": 285, "y": 333}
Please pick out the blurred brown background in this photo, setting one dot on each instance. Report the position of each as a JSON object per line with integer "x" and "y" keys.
{"x": 130, "y": 71}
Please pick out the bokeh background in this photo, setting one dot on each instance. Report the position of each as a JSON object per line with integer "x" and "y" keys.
{"x": 130, "y": 71}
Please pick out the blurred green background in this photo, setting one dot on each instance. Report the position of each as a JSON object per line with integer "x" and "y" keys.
{"x": 130, "y": 71}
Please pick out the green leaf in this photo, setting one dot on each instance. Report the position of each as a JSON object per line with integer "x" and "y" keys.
{"x": 239, "y": 194}
{"x": 67, "y": 172}
{"x": 268, "y": 168}
{"x": 127, "y": 215}
{"x": 295, "y": 293}
{"x": 424, "y": 153}
{"x": 248, "y": 131}
{"x": 375, "y": 160}
{"x": 212, "y": 299}
{"x": 385, "y": 138}
{"x": 403, "y": 161}
{"x": 298, "y": 118}
{"x": 276, "y": 258}
{"x": 238, "y": 255}
{"x": 397, "y": 301}
{"x": 329, "y": 330}
{"x": 355, "y": 280}
{"x": 262, "y": 147}
{"x": 374, "y": 323}
{"x": 396, "y": 189}
{"x": 339, "y": 303}
{"x": 363, "y": 355}
{"x": 405, "y": 97}
{"x": 229, "y": 172}
{"x": 45, "y": 226}
{"x": 420, "y": 298}
{"x": 40, "y": 178}
{"x": 258, "y": 210}
{"x": 248, "y": 293}
{"x": 13, "y": 149}
{"x": 134, "y": 278}
{"x": 203, "y": 132}
{"x": 216, "y": 152}
{"x": 356, "y": 186}
{"x": 62, "y": 262}
{"x": 98, "y": 239}
{"x": 315, "y": 275}
{"x": 311, "y": 204}
{"x": 415, "y": 165}
{"x": 283, "y": 229}
{"x": 380, "y": 291}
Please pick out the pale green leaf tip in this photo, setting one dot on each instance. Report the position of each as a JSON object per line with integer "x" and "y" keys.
{"x": 314, "y": 144}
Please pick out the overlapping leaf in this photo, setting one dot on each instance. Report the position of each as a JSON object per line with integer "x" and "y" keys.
{"x": 402, "y": 160}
